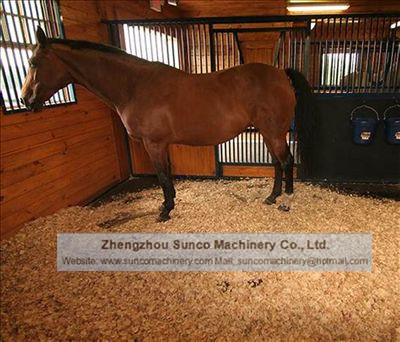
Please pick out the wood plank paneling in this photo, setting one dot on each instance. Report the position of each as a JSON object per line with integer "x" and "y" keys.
{"x": 250, "y": 171}
{"x": 192, "y": 160}
{"x": 228, "y": 8}
{"x": 64, "y": 155}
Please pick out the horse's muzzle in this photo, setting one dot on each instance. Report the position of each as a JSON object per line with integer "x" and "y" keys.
{"x": 32, "y": 106}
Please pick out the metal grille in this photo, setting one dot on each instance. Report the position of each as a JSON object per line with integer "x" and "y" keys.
{"x": 356, "y": 54}
{"x": 19, "y": 20}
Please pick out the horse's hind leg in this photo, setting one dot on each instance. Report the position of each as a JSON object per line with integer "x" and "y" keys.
{"x": 158, "y": 153}
{"x": 283, "y": 161}
{"x": 277, "y": 189}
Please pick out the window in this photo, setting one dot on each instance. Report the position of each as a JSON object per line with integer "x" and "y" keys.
{"x": 338, "y": 68}
{"x": 152, "y": 45}
{"x": 19, "y": 20}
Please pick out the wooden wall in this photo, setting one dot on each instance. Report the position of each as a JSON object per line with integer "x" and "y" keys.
{"x": 227, "y": 8}
{"x": 65, "y": 155}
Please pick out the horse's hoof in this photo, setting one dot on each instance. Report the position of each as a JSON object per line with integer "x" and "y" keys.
{"x": 269, "y": 201}
{"x": 163, "y": 217}
{"x": 283, "y": 207}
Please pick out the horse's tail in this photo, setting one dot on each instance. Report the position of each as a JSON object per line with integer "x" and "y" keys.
{"x": 304, "y": 121}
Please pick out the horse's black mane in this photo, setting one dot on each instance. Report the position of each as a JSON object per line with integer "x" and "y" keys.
{"x": 81, "y": 44}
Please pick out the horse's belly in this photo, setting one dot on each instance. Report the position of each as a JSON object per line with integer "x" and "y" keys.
{"x": 211, "y": 130}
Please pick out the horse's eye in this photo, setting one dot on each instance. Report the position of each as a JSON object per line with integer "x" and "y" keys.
{"x": 31, "y": 64}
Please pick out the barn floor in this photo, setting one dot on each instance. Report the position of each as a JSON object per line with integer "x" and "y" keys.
{"x": 39, "y": 303}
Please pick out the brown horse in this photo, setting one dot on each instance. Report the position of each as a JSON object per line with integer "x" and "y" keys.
{"x": 162, "y": 105}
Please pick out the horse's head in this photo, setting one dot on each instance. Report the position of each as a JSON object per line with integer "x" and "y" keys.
{"x": 46, "y": 75}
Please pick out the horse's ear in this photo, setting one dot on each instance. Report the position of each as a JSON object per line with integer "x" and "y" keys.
{"x": 41, "y": 36}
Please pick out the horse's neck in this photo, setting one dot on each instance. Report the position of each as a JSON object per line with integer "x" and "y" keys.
{"x": 105, "y": 74}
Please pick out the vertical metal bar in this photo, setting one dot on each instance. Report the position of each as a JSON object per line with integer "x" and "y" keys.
{"x": 379, "y": 57}
{"x": 199, "y": 48}
{"x": 301, "y": 59}
{"x": 13, "y": 59}
{"x": 138, "y": 46}
{"x": 361, "y": 62}
{"x": 143, "y": 42}
{"x": 189, "y": 50}
{"x": 337, "y": 66}
{"x": 320, "y": 56}
{"x": 150, "y": 32}
{"x": 216, "y": 36}
{"x": 326, "y": 56}
{"x": 283, "y": 51}
{"x": 355, "y": 54}
{"x": 171, "y": 39}
{"x": 391, "y": 60}
{"x": 240, "y": 54}
{"x": 218, "y": 166}
{"x": 397, "y": 67}
{"x": 159, "y": 45}
{"x": 289, "y": 54}
{"x": 373, "y": 76}
{"x": 166, "y": 45}
{"x": 386, "y": 65}
{"x": 205, "y": 44}
{"x": 343, "y": 66}
{"x": 307, "y": 56}
{"x": 367, "y": 68}
{"x": 223, "y": 50}
{"x": 182, "y": 52}
{"x": 295, "y": 52}
{"x": 350, "y": 54}
{"x": 193, "y": 50}
{"x": 228, "y": 49}
{"x": 332, "y": 49}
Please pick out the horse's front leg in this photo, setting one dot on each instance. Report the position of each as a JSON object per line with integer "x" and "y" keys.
{"x": 158, "y": 153}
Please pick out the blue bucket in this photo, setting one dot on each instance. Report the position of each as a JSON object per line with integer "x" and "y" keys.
{"x": 364, "y": 128}
{"x": 392, "y": 126}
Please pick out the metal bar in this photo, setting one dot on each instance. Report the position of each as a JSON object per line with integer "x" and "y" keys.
{"x": 338, "y": 57}
{"x": 294, "y": 55}
{"x": 350, "y": 55}
{"x": 194, "y": 49}
{"x": 386, "y": 65}
{"x": 138, "y": 48}
{"x": 361, "y": 62}
{"x": 379, "y": 59}
{"x": 265, "y": 29}
{"x": 240, "y": 55}
{"x": 332, "y": 48}
{"x": 151, "y": 33}
{"x": 391, "y": 62}
{"x": 367, "y": 67}
{"x": 343, "y": 67}
{"x": 228, "y": 45}
{"x": 373, "y": 75}
{"x": 189, "y": 54}
{"x": 14, "y": 76}
{"x": 166, "y": 45}
{"x": 354, "y": 73}
{"x": 244, "y": 19}
{"x": 218, "y": 166}
{"x": 171, "y": 38}
{"x": 397, "y": 68}
{"x": 223, "y": 50}
{"x": 182, "y": 51}
{"x": 320, "y": 57}
{"x": 307, "y": 57}
{"x": 289, "y": 54}
{"x": 199, "y": 48}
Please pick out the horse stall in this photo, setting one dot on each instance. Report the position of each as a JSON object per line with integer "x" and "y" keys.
{"x": 84, "y": 151}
